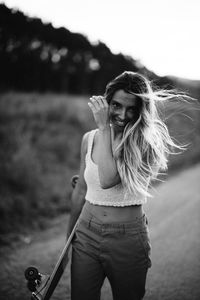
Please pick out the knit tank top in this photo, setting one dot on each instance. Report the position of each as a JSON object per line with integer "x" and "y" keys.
{"x": 114, "y": 196}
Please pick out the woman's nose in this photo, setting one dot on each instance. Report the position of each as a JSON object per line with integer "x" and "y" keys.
{"x": 122, "y": 114}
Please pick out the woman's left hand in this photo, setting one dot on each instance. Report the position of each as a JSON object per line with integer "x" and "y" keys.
{"x": 99, "y": 107}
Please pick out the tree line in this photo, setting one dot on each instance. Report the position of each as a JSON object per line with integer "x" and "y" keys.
{"x": 38, "y": 57}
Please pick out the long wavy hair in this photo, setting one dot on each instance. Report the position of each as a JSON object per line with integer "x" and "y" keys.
{"x": 146, "y": 144}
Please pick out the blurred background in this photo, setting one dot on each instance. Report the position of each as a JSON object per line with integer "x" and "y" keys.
{"x": 53, "y": 57}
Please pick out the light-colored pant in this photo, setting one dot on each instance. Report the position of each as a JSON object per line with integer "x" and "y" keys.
{"x": 118, "y": 251}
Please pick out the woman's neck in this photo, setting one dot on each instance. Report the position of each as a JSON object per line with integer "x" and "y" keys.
{"x": 115, "y": 134}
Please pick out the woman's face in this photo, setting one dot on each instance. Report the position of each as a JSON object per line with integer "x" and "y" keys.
{"x": 123, "y": 108}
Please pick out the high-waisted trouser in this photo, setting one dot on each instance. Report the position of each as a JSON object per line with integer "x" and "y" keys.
{"x": 118, "y": 251}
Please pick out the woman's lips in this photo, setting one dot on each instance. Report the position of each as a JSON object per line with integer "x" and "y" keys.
{"x": 120, "y": 123}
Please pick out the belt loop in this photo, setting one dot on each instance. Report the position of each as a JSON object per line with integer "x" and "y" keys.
{"x": 89, "y": 222}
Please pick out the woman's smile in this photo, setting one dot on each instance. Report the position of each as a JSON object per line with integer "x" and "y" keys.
{"x": 118, "y": 122}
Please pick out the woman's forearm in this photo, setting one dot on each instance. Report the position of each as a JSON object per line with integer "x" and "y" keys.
{"x": 107, "y": 167}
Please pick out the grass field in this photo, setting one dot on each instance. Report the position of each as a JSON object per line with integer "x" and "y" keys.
{"x": 40, "y": 138}
{"x": 174, "y": 221}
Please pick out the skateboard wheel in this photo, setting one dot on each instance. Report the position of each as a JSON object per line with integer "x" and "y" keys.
{"x": 31, "y": 285}
{"x": 31, "y": 273}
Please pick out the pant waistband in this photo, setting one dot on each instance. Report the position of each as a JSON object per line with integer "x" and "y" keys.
{"x": 90, "y": 221}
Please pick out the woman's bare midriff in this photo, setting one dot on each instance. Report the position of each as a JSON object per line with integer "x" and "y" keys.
{"x": 111, "y": 214}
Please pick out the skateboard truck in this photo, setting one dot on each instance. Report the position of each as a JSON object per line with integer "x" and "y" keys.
{"x": 43, "y": 286}
{"x": 36, "y": 282}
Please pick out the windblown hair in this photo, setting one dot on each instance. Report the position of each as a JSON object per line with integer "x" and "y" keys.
{"x": 146, "y": 144}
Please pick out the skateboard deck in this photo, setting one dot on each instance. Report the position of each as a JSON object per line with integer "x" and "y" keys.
{"x": 42, "y": 286}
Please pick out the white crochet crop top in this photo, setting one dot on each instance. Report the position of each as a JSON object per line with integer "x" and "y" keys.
{"x": 114, "y": 196}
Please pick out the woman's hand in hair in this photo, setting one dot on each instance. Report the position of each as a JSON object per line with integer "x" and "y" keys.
{"x": 99, "y": 107}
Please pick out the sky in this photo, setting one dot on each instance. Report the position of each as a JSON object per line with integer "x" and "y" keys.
{"x": 163, "y": 35}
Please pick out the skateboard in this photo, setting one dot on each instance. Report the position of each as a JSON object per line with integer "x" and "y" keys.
{"x": 42, "y": 286}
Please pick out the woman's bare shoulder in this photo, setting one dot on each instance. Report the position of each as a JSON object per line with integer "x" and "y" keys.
{"x": 85, "y": 140}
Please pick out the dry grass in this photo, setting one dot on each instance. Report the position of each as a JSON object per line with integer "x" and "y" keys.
{"x": 40, "y": 138}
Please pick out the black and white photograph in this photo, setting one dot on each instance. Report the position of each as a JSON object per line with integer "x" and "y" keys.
{"x": 99, "y": 150}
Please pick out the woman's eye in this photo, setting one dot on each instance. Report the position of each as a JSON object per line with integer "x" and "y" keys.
{"x": 132, "y": 110}
{"x": 115, "y": 105}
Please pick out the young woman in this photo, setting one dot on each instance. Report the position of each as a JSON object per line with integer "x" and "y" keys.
{"x": 118, "y": 161}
